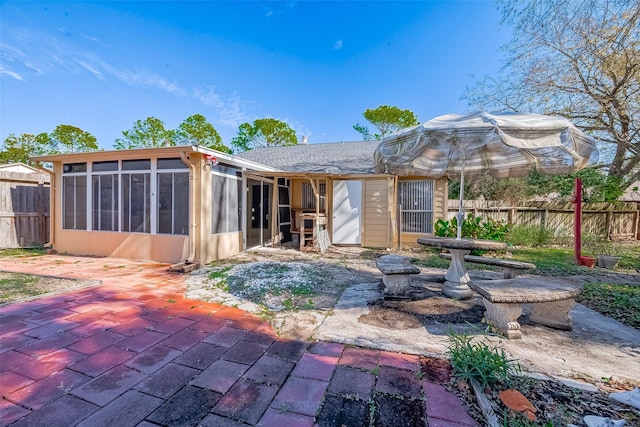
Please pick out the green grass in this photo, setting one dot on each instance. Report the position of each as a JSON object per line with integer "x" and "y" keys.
{"x": 19, "y": 286}
{"x": 620, "y": 302}
{"x": 549, "y": 261}
{"x": 14, "y": 252}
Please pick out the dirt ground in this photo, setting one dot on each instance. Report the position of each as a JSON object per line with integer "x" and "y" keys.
{"x": 360, "y": 316}
{"x": 20, "y": 287}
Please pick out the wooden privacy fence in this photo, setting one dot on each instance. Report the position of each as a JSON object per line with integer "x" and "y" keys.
{"x": 24, "y": 209}
{"x": 617, "y": 221}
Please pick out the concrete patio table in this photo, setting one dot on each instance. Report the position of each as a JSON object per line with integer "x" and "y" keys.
{"x": 457, "y": 276}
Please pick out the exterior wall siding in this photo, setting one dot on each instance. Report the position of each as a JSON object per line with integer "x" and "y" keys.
{"x": 159, "y": 247}
{"x": 377, "y": 216}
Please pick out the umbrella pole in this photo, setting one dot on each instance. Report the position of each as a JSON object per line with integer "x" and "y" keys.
{"x": 460, "y": 209}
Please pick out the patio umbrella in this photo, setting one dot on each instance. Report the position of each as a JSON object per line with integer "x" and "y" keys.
{"x": 502, "y": 145}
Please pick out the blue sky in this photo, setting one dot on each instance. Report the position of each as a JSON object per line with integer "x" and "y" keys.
{"x": 101, "y": 66}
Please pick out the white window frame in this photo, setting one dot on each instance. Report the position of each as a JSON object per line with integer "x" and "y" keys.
{"x": 408, "y": 210}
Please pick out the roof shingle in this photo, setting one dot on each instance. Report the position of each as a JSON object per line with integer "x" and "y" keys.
{"x": 347, "y": 158}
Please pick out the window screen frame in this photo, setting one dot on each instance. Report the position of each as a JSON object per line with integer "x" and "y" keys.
{"x": 416, "y": 211}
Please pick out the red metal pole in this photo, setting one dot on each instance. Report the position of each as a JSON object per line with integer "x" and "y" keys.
{"x": 577, "y": 223}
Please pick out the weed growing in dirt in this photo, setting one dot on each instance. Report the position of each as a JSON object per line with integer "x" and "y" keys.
{"x": 14, "y": 252}
{"x": 478, "y": 362}
{"x": 288, "y": 286}
{"x": 219, "y": 277}
{"x": 620, "y": 302}
{"x": 18, "y": 286}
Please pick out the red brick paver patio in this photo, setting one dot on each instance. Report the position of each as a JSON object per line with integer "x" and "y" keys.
{"x": 133, "y": 351}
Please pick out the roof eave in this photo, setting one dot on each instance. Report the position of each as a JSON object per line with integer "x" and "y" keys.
{"x": 137, "y": 153}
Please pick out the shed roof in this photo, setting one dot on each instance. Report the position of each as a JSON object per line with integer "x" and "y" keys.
{"x": 18, "y": 167}
{"x": 344, "y": 158}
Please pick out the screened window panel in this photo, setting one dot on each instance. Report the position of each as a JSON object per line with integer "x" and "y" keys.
{"x": 235, "y": 205}
{"x": 219, "y": 201}
{"x": 130, "y": 165}
{"x": 69, "y": 202}
{"x": 105, "y": 166}
{"x": 136, "y": 202}
{"x": 171, "y": 164}
{"x": 105, "y": 202}
{"x": 165, "y": 203}
{"x": 181, "y": 203}
{"x": 285, "y": 214}
{"x": 226, "y": 197}
{"x": 81, "y": 203}
{"x": 74, "y": 167}
{"x": 416, "y": 200}
{"x": 75, "y": 202}
{"x": 173, "y": 203}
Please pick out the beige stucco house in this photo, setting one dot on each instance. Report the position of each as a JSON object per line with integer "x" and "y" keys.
{"x": 187, "y": 203}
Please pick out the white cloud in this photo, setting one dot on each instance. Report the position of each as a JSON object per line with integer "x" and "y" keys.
{"x": 268, "y": 12}
{"x": 145, "y": 78}
{"x": 11, "y": 74}
{"x": 90, "y": 38}
{"x": 41, "y": 52}
{"x": 338, "y": 45}
{"x": 33, "y": 67}
{"x": 90, "y": 68}
{"x": 230, "y": 111}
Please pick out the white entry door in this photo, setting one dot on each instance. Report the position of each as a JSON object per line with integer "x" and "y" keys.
{"x": 347, "y": 208}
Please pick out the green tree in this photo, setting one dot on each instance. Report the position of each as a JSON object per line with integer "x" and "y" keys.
{"x": 580, "y": 60}
{"x": 18, "y": 149}
{"x": 195, "y": 130}
{"x": 386, "y": 119}
{"x": 146, "y": 133}
{"x": 266, "y": 132}
{"x": 70, "y": 139}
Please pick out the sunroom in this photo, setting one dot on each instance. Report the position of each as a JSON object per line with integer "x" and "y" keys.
{"x": 168, "y": 204}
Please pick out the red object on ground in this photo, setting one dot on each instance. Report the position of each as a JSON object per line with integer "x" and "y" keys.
{"x": 587, "y": 261}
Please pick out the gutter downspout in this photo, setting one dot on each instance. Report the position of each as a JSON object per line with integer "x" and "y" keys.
{"x": 52, "y": 205}
{"x": 192, "y": 210}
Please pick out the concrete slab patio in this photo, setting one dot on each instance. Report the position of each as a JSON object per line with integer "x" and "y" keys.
{"x": 597, "y": 350}
{"x": 133, "y": 351}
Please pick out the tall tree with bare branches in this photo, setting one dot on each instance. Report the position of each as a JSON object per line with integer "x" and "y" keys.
{"x": 579, "y": 59}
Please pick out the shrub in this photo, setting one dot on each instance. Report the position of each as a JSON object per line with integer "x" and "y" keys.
{"x": 473, "y": 228}
{"x": 478, "y": 362}
{"x": 531, "y": 235}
